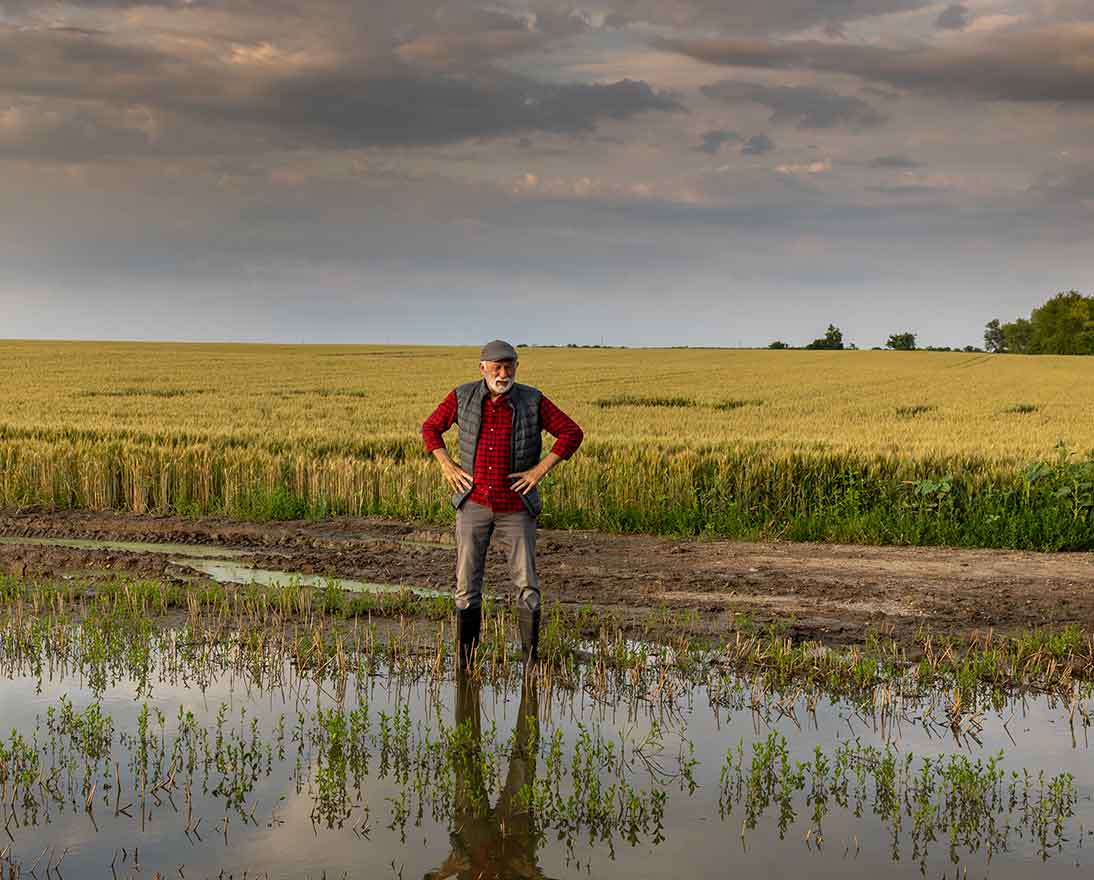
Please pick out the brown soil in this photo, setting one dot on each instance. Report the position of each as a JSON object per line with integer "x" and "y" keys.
{"x": 835, "y": 593}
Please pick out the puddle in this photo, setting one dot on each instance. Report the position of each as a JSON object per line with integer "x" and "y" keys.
{"x": 219, "y": 563}
{"x": 198, "y": 769}
{"x": 225, "y": 572}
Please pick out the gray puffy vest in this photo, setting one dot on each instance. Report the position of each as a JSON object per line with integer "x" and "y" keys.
{"x": 526, "y": 441}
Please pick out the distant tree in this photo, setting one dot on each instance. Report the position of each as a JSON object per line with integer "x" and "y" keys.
{"x": 901, "y": 342}
{"x": 1017, "y": 336}
{"x": 995, "y": 340}
{"x": 1064, "y": 325}
{"x": 778, "y": 343}
{"x": 832, "y": 339}
{"x": 971, "y": 348}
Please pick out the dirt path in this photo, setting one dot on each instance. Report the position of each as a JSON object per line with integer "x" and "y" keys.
{"x": 831, "y": 592}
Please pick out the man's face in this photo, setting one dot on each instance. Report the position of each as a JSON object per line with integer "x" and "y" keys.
{"x": 499, "y": 375}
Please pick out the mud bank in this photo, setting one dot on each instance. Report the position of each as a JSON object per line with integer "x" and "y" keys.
{"x": 832, "y": 593}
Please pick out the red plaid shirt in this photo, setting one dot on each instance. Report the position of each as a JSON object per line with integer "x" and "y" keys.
{"x": 492, "y": 486}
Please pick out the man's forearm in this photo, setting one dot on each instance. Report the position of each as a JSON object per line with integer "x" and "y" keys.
{"x": 549, "y": 462}
{"x": 441, "y": 454}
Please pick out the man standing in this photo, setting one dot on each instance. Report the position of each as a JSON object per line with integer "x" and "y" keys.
{"x": 500, "y": 440}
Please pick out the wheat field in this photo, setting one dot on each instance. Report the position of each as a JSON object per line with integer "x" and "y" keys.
{"x": 670, "y": 433}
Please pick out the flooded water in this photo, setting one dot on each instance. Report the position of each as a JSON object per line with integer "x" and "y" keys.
{"x": 192, "y": 769}
{"x": 225, "y": 572}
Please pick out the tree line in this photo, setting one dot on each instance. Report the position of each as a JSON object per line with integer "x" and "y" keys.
{"x": 1062, "y": 325}
{"x": 832, "y": 340}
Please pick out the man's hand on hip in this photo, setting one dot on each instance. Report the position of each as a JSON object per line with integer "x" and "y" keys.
{"x": 525, "y": 481}
{"x": 457, "y": 478}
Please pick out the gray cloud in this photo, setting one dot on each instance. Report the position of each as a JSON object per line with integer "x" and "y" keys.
{"x": 343, "y": 109}
{"x": 1069, "y": 185}
{"x": 893, "y": 161}
{"x": 386, "y": 103}
{"x": 806, "y": 106}
{"x": 1047, "y": 64}
{"x": 237, "y": 146}
{"x": 72, "y": 62}
{"x": 561, "y": 21}
{"x": 18, "y": 7}
{"x": 713, "y": 140}
{"x": 953, "y": 18}
{"x": 759, "y": 16}
{"x": 903, "y": 189}
{"x": 757, "y": 145}
{"x": 70, "y": 132}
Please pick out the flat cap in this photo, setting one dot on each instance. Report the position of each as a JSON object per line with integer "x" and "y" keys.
{"x": 498, "y": 350}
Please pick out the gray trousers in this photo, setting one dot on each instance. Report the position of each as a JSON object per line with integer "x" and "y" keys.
{"x": 475, "y": 525}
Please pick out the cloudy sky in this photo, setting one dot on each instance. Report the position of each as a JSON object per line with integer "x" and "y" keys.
{"x": 660, "y": 172}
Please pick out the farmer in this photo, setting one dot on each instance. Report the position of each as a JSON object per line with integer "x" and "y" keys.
{"x": 500, "y": 446}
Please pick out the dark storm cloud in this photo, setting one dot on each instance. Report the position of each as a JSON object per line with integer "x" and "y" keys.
{"x": 1048, "y": 64}
{"x": 392, "y": 103}
{"x": 342, "y": 109}
{"x": 953, "y": 18}
{"x": 713, "y": 141}
{"x": 757, "y": 145}
{"x": 805, "y": 106}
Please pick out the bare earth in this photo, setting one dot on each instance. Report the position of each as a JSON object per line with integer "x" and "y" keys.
{"x": 834, "y": 593}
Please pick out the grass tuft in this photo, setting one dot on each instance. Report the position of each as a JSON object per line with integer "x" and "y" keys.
{"x": 908, "y": 412}
{"x": 632, "y": 400}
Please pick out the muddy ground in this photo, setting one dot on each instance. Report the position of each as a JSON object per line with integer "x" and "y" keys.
{"x": 835, "y": 593}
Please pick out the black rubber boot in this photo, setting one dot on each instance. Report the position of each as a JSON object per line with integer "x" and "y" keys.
{"x": 529, "y": 635}
{"x": 468, "y": 624}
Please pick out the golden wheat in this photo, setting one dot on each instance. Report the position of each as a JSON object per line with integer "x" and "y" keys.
{"x": 160, "y": 426}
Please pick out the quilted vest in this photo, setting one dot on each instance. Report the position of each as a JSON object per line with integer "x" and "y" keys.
{"x": 526, "y": 441}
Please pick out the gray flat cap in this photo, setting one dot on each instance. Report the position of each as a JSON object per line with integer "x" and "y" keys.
{"x": 498, "y": 350}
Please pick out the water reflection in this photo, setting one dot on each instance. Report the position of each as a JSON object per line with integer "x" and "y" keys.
{"x": 500, "y": 841}
{"x": 387, "y": 775}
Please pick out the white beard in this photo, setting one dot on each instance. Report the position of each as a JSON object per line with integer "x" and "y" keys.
{"x": 499, "y": 385}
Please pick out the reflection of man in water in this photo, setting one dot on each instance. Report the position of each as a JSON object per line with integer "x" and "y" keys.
{"x": 499, "y": 843}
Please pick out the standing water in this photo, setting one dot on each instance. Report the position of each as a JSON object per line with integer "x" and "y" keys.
{"x": 190, "y": 754}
